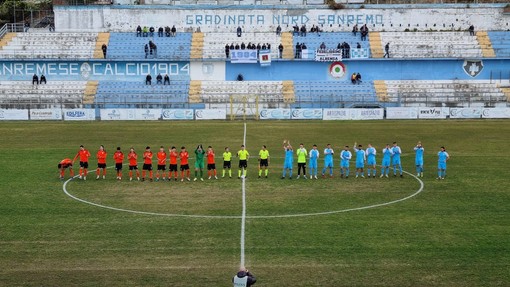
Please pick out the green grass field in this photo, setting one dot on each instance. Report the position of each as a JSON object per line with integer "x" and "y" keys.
{"x": 454, "y": 233}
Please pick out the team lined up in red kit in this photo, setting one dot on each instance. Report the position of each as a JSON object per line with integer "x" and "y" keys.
{"x": 147, "y": 169}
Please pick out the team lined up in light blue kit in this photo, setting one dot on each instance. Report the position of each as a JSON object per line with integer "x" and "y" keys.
{"x": 391, "y": 158}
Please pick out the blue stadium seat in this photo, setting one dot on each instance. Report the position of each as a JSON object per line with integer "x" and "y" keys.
{"x": 500, "y": 43}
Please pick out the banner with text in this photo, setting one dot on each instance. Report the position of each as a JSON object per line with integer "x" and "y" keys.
{"x": 117, "y": 114}
{"x": 465, "y": 113}
{"x": 13, "y": 115}
{"x": 211, "y": 114}
{"x": 306, "y": 114}
{"x": 353, "y": 114}
{"x": 177, "y": 114}
{"x": 243, "y": 56}
{"x": 275, "y": 114}
{"x": 328, "y": 55}
{"x": 46, "y": 114}
{"x": 496, "y": 113}
{"x": 433, "y": 113}
{"x": 265, "y": 58}
{"x": 397, "y": 113}
{"x": 79, "y": 114}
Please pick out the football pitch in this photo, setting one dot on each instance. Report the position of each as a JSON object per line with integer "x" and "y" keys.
{"x": 325, "y": 232}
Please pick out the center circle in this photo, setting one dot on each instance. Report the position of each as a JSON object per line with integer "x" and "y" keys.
{"x": 64, "y": 187}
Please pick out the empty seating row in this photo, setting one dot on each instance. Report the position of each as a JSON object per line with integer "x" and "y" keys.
{"x": 23, "y": 94}
{"x": 128, "y": 46}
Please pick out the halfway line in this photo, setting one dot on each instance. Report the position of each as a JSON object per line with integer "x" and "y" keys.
{"x": 243, "y": 214}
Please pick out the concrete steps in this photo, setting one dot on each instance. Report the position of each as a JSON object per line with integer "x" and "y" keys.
{"x": 485, "y": 44}
{"x": 288, "y": 47}
{"x": 376, "y": 46}
{"x": 289, "y": 96}
{"x": 6, "y": 39}
{"x": 197, "y": 46}
{"x": 102, "y": 38}
{"x": 195, "y": 88}
{"x": 90, "y": 91}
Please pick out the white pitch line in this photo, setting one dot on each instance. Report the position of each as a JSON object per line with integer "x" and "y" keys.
{"x": 243, "y": 213}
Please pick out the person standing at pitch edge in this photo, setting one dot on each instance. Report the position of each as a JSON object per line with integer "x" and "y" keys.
{"x": 443, "y": 157}
{"x": 314, "y": 156}
{"x": 289, "y": 159}
{"x": 396, "y": 159}
{"x": 360, "y": 160}
{"x": 301, "y": 160}
{"x": 328, "y": 160}
{"x": 244, "y": 278}
{"x": 418, "y": 149}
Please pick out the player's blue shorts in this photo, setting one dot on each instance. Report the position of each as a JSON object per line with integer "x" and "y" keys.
{"x": 360, "y": 164}
{"x": 441, "y": 165}
{"x": 396, "y": 161}
{"x": 371, "y": 162}
{"x": 419, "y": 162}
{"x": 328, "y": 163}
{"x": 344, "y": 163}
{"x": 287, "y": 164}
{"x": 386, "y": 162}
{"x": 312, "y": 164}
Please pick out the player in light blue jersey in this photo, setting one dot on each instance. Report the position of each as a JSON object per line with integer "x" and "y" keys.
{"x": 443, "y": 157}
{"x": 328, "y": 160}
{"x": 345, "y": 157}
{"x": 289, "y": 159}
{"x": 418, "y": 150}
{"x": 396, "y": 159}
{"x": 371, "y": 162}
{"x": 386, "y": 161}
{"x": 361, "y": 157}
{"x": 314, "y": 156}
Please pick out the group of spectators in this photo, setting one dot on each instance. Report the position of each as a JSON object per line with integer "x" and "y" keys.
{"x": 249, "y": 46}
{"x": 38, "y": 80}
{"x": 151, "y": 49}
{"x": 299, "y": 50}
{"x": 149, "y": 31}
{"x": 363, "y": 31}
{"x": 301, "y": 31}
{"x": 356, "y": 78}
{"x": 159, "y": 79}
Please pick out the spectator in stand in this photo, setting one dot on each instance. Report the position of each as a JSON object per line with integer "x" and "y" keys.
{"x": 258, "y": 49}
{"x": 151, "y": 31}
{"x": 364, "y": 32}
{"x": 35, "y": 80}
{"x": 146, "y": 49}
{"x": 303, "y": 31}
{"x": 159, "y": 79}
{"x": 471, "y": 30}
{"x": 174, "y": 30}
{"x": 322, "y": 46}
{"x": 148, "y": 79}
{"x": 278, "y": 31}
{"x": 358, "y": 46}
{"x": 52, "y": 27}
{"x": 358, "y": 78}
{"x": 166, "y": 80}
{"x": 240, "y": 77}
{"x": 280, "y": 51}
{"x": 153, "y": 49}
{"x": 312, "y": 30}
{"x": 268, "y": 46}
{"x": 239, "y": 31}
{"x": 43, "y": 79}
{"x": 355, "y": 30}
{"x": 26, "y": 26}
{"x": 347, "y": 49}
{"x": 264, "y": 47}
{"x": 104, "y": 48}
{"x": 298, "y": 51}
{"x": 353, "y": 78}
{"x": 139, "y": 31}
{"x": 167, "y": 31}
{"x": 295, "y": 31}
{"x": 227, "y": 51}
{"x": 145, "y": 31}
{"x": 160, "y": 32}
{"x": 232, "y": 46}
{"x": 237, "y": 47}
{"x": 243, "y": 46}
{"x": 387, "y": 50}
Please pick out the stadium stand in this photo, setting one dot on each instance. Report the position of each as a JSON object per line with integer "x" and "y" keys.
{"x": 214, "y": 43}
{"x": 128, "y": 46}
{"x": 138, "y": 94}
{"x": 500, "y": 42}
{"x": 330, "y": 39}
{"x": 50, "y": 46}
{"x": 431, "y": 44}
{"x": 325, "y": 94}
{"x": 450, "y": 93}
{"x": 54, "y": 94}
{"x": 221, "y": 91}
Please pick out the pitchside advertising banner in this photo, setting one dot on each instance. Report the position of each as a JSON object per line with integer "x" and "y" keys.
{"x": 306, "y": 114}
{"x": 433, "y": 113}
{"x": 79, "y": 114}
{"x": 274, "y": 114}
{"x": 401, "y": 113}
{"x": 210, "y": 114}
{"x": 13, "y": 115}
{"x": 496, "y": 113}
{"x": 353, "y": 114}
{"x": 465, "y": 113}
{"x": 46, "y": 114}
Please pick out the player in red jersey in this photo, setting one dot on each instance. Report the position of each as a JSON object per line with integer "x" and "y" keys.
{"x": 118, "y": 157}
{"x": 133, "y": 164}
{"x": 211, "y": 165}
{"x": 84, "y": 155}
{"x": 63, "y": 164}
{"x": 184, "y": 156}
{"x": 147, "y": 163}
{"x": 173, "y": 163}
{"x": 101, "y": 162}
{"x": 161, "y": 155}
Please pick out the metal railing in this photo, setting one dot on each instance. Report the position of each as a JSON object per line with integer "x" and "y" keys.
{"x": 10, "y": 28}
